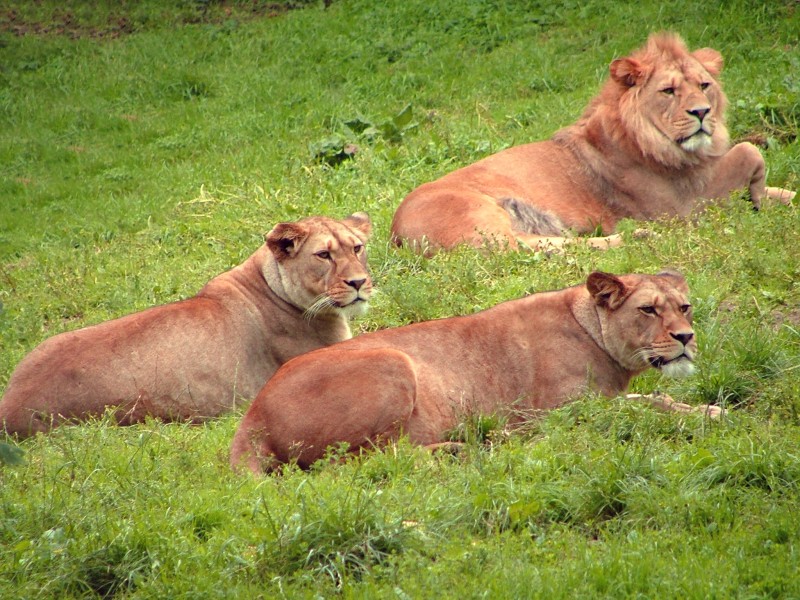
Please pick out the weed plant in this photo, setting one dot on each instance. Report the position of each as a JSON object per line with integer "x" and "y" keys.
{"x": 145, "y": 147}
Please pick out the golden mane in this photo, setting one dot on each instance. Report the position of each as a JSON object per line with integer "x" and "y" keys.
{"x": 651, "y": 144}
{"x": 621, "y": 107}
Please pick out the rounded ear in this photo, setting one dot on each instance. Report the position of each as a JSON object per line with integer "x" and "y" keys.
{"x": 628, "y": 72}
{"x": 606, "y": 289}
{"x": 676, "y": 278}
{"x": 711, "y": 60}
{"x": 285, "y": 239}
{"x": 360, "y": 221}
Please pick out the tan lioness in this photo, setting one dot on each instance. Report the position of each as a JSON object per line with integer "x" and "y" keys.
{"x": 420, "y": 380}
{"x": 652, "y": 144}
{"x": 197, "y": 358}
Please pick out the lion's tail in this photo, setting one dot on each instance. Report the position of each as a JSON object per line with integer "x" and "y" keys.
{"x": 529, "y": 219}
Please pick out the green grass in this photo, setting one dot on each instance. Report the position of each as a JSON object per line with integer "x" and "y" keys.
{"x": 145, "y": 147}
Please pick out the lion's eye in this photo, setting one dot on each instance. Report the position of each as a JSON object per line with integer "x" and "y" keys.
{"x": 669, "y": 91}
{"x": 323, "y": 254}
{"x": 648, "y": 310}
{"x": 686, "y": 308}
{"x": 358, "y": 248}
{"x": 704, "y": 85}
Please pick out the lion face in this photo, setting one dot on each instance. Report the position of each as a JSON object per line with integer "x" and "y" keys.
{"x": 322, "y": 264}
{"x": 684, "y": 107}
{"x": 648, "y": 321}
{"x": 671, "y": 102}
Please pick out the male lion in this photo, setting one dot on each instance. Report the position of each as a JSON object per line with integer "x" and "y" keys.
{"x": 420, "y": 380}
{"x": 197, "y": 358}
{"x": 652, "y": 144}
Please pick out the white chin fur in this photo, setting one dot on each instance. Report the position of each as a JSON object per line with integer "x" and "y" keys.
{"x": 678, "y": 368}
{"x": 355, "y": 309}
{"x": 699, "y": 141}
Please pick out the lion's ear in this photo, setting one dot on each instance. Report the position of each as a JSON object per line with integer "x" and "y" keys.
{"x": 628, "y": 72}
{"x": 606, "y": 289}
{"x": 676, "y": 278}
{"x": 711, "y": 60}
{"x": 360, "y": 221}
{"x": 285, "y": 239}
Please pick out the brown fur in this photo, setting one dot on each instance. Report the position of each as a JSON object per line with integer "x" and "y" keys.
{"x": 421, "y": 379}
{"x": 199, "y": 357}
{"x": 640, "y": 151}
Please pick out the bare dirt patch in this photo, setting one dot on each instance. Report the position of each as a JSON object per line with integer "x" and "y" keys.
{"x": 64, "y": 22}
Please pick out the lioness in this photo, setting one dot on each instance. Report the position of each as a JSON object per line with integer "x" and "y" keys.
{"x": 653, "y": 143}
{"x": 197, "y": 358}
{"x": 419, "y": 380}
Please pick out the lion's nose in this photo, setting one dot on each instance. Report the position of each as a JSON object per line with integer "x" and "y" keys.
{"x": 683, "y": 338}
{"x": 700, "y": 113}
{"x": 355, "y": 283}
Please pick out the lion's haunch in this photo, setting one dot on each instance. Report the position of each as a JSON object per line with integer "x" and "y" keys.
{"x": 422, "y": 379}
{"x": 198, "y": 358}
{"x": 652, "y": 144}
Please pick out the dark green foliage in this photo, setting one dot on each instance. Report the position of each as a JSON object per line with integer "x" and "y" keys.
{"x": 10, "y": 454}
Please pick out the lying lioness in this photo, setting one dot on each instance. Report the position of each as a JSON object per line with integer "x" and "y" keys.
{"x": 421, "y": 379}
{"x": 199, "y": 357}
{"x": 652, "y": 144}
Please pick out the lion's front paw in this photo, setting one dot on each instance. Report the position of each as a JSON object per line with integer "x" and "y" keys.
{"x": 665, "y": 402}
{"x": 780, "y": 194}
{"x": 712, "y": 411}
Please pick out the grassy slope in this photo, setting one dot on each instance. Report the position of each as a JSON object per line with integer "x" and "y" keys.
{"x": 134, "y": 168}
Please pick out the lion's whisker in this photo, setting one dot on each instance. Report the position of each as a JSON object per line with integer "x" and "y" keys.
{"x": 320, "y": 303}
{"x": 645, "y": 354}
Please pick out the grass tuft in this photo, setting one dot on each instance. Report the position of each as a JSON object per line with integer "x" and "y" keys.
{"x": 336, "y": 535}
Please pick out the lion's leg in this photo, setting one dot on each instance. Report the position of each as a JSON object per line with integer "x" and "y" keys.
{"x": 363, "y": 399}
{"x": 430, "y": 218}
{"x": 743, "y": 167}
{"x": 19, "y": 421}
{"x": 666, "y": 403}
{"x": 553, "y": 243}
{"x": 602, "y": 243}
{"x": 781, "y": 195}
